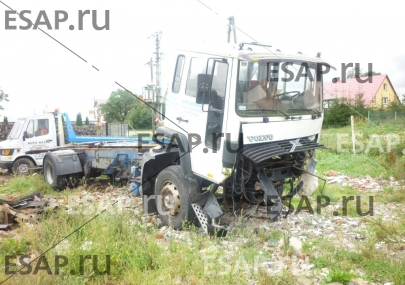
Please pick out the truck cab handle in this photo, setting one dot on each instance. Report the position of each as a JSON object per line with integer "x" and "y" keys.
{"x": 181, "y": 119}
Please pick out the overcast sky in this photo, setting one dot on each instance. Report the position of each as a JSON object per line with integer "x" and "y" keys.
{"x": 39, "y": 73}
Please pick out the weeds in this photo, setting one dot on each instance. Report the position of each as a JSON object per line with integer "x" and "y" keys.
{"x": 386, "y": 230}
{"x": 340, "y": 276}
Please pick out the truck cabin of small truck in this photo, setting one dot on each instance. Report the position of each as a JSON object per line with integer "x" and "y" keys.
{"x": 242, "y": 123}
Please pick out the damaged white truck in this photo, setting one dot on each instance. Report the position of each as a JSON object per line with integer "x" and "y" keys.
{"x": 242, "y": 121}
{"x": 241, "y": 124}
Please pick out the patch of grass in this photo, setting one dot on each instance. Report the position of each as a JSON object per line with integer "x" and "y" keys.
{"x": 24, "y": 185}
{"x": 274, "y": 235}
{"x": 386, "y": 230}
{"x": 379, "y": 268}
{"x": 378, "y": 151}
{"x": 390, "y": 195}
{"x": 321, "y": 262}
{"x": 339, "y": 276}
{"x": 335, "y": 192}
{"x": 377, "y": 265}
{"x": 349, "y": 164}
{"x": 12, "y": 246}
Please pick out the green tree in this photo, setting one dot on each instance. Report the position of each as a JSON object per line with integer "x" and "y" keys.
{"x": 3, "y": 97}
{"x": 338, "y": 114}
{"x": 396, "y": 106}
{"x": 118, "y": 106}
{"x": 141, "y": 117}
{"x": 87, "y": 122}
{"x": 403, "y": 98}
{"x": 5, "y": 120}
{"x": 79, "y": 121}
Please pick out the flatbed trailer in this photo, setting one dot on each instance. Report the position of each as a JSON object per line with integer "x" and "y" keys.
{"x": 65, "y": 166}
{"x": 33, "y": 136}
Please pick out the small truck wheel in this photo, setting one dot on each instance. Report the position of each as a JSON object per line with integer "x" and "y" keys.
{"x": 173, "y": 192}
{"x": 57, "y": 182}
{"x": 22, "y": 166}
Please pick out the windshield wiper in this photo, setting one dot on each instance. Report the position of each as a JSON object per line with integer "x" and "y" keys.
{"x": 273, "y": 110}
{"x": 312, "y": 110}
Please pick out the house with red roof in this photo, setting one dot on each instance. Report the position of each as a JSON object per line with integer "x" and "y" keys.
{"x": 379, "y": 92}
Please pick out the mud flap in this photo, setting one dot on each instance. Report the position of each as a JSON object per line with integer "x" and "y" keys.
{"x": 206, "y": 208}
{"x": 271, "y": 195}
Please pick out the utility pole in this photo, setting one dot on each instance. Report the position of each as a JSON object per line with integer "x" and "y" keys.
{"x": 151, "y": 70}
{"x": 156, "y": 100}
{"x": 158, "y": 88}
{"x": 231, "y": 27}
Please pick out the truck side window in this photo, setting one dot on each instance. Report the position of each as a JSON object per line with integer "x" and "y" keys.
{"x": 178, "y": 73}
{"x": 197, "y": 66}
{"x": 30, "y": 129}
{"x": 41, "y": 127}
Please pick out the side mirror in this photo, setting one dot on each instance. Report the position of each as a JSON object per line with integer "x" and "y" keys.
{"x": 203, "y": 87}
{"x": 25, "y": 135}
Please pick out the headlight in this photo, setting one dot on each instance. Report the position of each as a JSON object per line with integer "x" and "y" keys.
{"x": 7, "y": 152}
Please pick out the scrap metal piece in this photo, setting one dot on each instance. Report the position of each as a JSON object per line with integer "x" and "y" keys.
{"x": 32, "y": 204}
{"x": 210, "y": 211}
{"x": 211, "y": 206}
{"x": 5, "y": 227}
{"x": 271, "y": 195}
{"x": 201, "y": 216}
{"x": 5, "y": 217}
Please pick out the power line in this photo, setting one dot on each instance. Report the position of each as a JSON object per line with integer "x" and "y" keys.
{"x": 245, "y": 33}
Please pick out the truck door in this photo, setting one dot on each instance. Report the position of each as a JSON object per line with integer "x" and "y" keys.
{"x": 207, "y": 157}
{"x": 38, "y": 135}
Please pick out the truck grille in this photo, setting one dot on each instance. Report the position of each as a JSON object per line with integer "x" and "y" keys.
{"x": 261, "y": 152}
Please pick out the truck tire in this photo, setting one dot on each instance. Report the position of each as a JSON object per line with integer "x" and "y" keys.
{"x": 22, "y": 166}
{"x": 174, "y": 192}
{"x": 57, "y": 182}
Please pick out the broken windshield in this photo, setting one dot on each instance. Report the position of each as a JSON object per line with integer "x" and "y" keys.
{"x": 16, "y": 130}
{"x": 288, "y": 86}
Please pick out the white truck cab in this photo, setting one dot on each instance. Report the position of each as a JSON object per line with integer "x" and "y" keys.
{"x": 245, "y": 119}
{"x": 30, "y": 133}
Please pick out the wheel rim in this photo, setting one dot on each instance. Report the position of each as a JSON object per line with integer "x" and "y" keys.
{"x": 49, "y": 173}
{"x": 170, "y": 199}
{"x": 23, "y": 169}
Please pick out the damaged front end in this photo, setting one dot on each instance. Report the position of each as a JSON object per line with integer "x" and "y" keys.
{"x": 261, "y": 174}
{"x": 264, "y": 170}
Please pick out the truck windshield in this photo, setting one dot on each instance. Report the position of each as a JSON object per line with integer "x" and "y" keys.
{"x": 288, "y": 86}
{"x": 16, "y": 130}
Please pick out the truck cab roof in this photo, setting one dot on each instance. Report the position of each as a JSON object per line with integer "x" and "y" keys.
{"x": 249, "y": 52}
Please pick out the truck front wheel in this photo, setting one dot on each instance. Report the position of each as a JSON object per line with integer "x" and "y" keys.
{"x": 173, "y": 192}
{"x": 57, "y": 182}
{"x": 22, "y": 166}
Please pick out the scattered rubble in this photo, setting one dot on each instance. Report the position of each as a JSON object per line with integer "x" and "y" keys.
{"x": 343, "y": 232}
{"x": 26, "y": 209}
{"x": 362, "y": 182}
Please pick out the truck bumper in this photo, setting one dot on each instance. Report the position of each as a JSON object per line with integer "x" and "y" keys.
{"x": 6, "y": 164}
